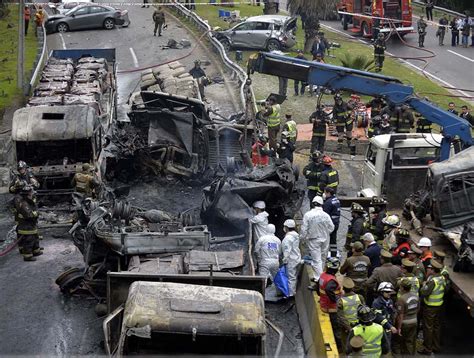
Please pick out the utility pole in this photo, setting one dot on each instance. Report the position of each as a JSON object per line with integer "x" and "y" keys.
{"x": 21, "y": 45}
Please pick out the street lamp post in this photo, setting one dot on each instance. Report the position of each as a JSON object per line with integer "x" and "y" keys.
{"x": 21, "y": 45}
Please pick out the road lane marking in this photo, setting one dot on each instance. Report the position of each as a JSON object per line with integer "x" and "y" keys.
{"x": 458, "y": 54}
{"x": 134, "y": 56}
{"x": 62, "y": 41}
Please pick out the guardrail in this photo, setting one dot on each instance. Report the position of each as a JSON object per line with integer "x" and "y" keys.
{"x": 451, "y": 12}
{"x": 246, "y": 92}
{"x": 41, "y": 58}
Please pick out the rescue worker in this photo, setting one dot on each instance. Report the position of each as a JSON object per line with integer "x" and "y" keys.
{"x": 347, "y": 308}
{"x": 315, "y": 231}
{"x": 379, "y": 52}
{"x": 272, "y": 113}
{"x": 39, "y": 18}
{"x": 421, "y": 26}
{"x": 356, "y": 267}
{"x": 356, "y": 343}
{"x": 27, "y": 224}
{"x": 373, "y": 334}
{"x": 403, "y": 246}
{"x": 391, "y": 225}
{"x": 24, "y": 177}
{"x": 332, "y": 207}
{"x": 385, "y": 126}
{"x": 291, "y": 253}
{"x": 376, "y": 26}
{"x": 260, "y": 220}
{"x": 374, "y": 126}
{"x": 407, "y": 307}
{"x": 376, "y": 104}
{"x": 388, "y": 272}
{"x": 423, "y": 125}
{"x": 291, "y": 128}
{"x": 414, "y": 255}
{"x": 379, "y": 213}
{"x": 441, "y": 32}
{"x": 432, "y": 292}
{"x": 407, "y": 270}
{"x": 383, "y": 305}
{"x": 260, "y": 152}
{"x": 372, "y": 251}
{"x": 439, "y": 256}
{"x": 285, "y": 147}
{"x": 200, "y": 76}
{"x": 159, "y": 20}
{"x": 300, "y": 55}
{"x": 268, "y": 251}
{"x": 425, "y": 246}
{"x": 329, "y": 176}
{"x": 342, "y": 115}
{"x": 312, "y": 172}
{"x": 319, "y": 119}
{"x": 357, "y": 226}
{"x": 406, "y": 120}
{"x": 84, "y": 182}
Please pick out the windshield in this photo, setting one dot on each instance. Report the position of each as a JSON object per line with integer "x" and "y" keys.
{"x": 415, "y": 156}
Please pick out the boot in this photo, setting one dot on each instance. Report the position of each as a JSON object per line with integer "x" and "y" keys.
{"x": 29, "y": 258}
{"x": 37, "y": 252}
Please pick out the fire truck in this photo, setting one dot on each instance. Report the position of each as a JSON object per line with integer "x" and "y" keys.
{"x": 393, "y": 14}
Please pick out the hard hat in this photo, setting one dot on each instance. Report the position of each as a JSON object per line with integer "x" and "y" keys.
{"x": 385, "y": 287}
{"x": 316, "y": 154}
{"x": 337, "y": 97}
{"x": 406, "y": 284}
{"x": 357, "y": 208}
{"x": 357, "y": 342}
{"x": 262, "y": 138}
{"x": 259, "y": 204}
{"x": 327, "y": 160}
{"x": 377, "y": 201}
{"x": 318, "y": 200}
{"x": 424, "y": 242}
{"x": 368, "y": 237}
{"x": 403, "y": 234}
{"x": 289, "y": 223}
{"x": 86, "y": 167}
{"x": 333, "y": 263}
{"x": 392, "y": 220}
{"x": 408, "y": 263}
{"x": 22, "y": 165}
{"x": 284, "y": 134}
{"x": 365, "y": 314}
{"x": 271, "y": 228}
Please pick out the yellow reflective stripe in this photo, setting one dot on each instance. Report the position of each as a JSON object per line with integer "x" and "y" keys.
{"x": 313, "y": 187}
{"x": 319, "y": 134}
{"x": 372, "y": 336}
{"x": 28, "y": 232}
{"x": 349, "y": 307}
{"x": 274, "y": 118}
{"x": 436, "y": 296}
{"x": 333, "y": 185}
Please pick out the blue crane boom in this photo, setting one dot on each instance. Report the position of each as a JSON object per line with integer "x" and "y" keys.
{"x": 341, "y": 78}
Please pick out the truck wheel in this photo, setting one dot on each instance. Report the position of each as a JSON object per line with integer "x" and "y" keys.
{"x": 109, "y": 24}
{"x": 365, "y": 30}
{"x": 345, "y": 22}
{"x": 273, "y": 45}
{"x": 62, "y": 27}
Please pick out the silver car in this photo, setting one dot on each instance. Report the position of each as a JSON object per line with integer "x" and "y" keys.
{"x": 267, "y": 32}
{"x": 84, "y": 17}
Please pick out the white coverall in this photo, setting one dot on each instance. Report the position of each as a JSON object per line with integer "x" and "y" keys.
{"x": 268, "y": 251}
{"x": 315, "y": 230}
{"x": 291, "y": 257}
{"x": 260, "y": 223}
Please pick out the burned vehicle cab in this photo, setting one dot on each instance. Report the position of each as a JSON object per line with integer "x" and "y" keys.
{"x": 169, "y": 318}
{"x": 55, "y": 141}
{"x": 397, "y": 163}
{"x": 268, "y": 32}
{"x": 451, "y": 183}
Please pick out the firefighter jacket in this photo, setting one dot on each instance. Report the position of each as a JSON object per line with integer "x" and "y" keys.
{"x": 20, "y": 180}
{"x": 406, "y": 121}
{"x": 319, "y": 124}
{"x": 329, "y": 178}
{"x": 356, "y": 229}
{"x": 329, "y": 292}
{"x": 27, "y": 216}
{"x": 312, "y": 173}
{"x": 342, "y": 114}
{"x": 379, "y": 47}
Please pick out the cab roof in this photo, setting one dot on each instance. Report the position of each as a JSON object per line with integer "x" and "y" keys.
{"x": 180, "y": 308}
{"x": 407, "y": 140}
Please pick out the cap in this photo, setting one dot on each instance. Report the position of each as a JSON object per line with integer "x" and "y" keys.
{"x": 436, "y": 264}
{"x": 368, "y": 237}
{"x": 406, "y": 284}
{"x": 259, "y": 204}
{"x": 407, "y": 263}
{"x": 289, "y": 223}
{"x": 348, "y": 283}
{"x": 318, "y": 200}
{"x": 386, "y": 254}
{"x": 414, "y": 250}
{"x": 357, "y": 342}
{"x": 271, "y": 228}
{"x": 284, "y": 134}
{"x": 439, "y": 253}
{"x": 358, "y": 246}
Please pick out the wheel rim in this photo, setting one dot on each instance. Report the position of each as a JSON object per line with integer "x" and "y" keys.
{"x": 109, "y": 24}
{"x": 62, "y": 28}
{"x": 226, "y": 45}
{"x": 273, "y": 46}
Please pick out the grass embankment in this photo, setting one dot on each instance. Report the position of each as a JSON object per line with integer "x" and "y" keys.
{"x": 8, "y": 56}
{"x": 302, "y": 107}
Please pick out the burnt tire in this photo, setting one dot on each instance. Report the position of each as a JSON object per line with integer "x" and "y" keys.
{"x": 109, "y": 24}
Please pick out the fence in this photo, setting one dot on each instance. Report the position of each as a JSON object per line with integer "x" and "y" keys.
{"x": 442, "y": 9}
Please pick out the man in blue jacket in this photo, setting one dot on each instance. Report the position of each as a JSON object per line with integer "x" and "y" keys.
{"x": 318, "y": 48}
{"x": 372, "y": 251}
{"x": 332, "y": 207}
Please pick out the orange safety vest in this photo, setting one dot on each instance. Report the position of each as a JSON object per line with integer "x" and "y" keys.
{"x": 403, "y": 245}
{"x": 428, "y": 255}
{"x": 326, "y": 304}
{"x": 257, "y": 159}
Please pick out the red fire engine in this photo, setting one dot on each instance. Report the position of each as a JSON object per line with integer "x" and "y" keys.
{"x": 359, "y": 13}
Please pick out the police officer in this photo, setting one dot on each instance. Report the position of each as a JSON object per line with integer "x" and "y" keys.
{"x": 347, "y": 308}
{"x": 406, "y": 120}
{"x": 414, "y": 256}
{"x": 285, "y": 147}
{"x": 27, "y": 224}
{"x": 312, "y": 173}
{"x": 342, "y": 115}
{"x": 357, "y": 226}
{"x": 159, "y": 20}
{"x": 432, "y": 293}
{"x": 356, "y": 343}
{"x": 440, "y": 255}
{"x": 379, "y": 52}
{"x": 373, "y": 334}
{"x": 407, "y": 270}
{"x": 84, "y": 182}
{"x": 291, "y": 253}
{"x": 356, "y": 267}
{"x": 407, "y": 306}
{"x": 329, "y": 176}
{"x": 291, "y": 128}
{"x": 24, "y": 177}
{"x": 319, "y": 119}
{"x": 272, "y": 113}
{"x": 421, "y": 25}
{"x": 268, "y": 251}
{"x": 332, "y": 207}
{"x": 379, "y": 213}
{"x": 388, "y": 272}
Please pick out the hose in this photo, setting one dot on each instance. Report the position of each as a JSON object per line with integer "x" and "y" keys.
{"x": 281, "y": 335}
{"x": 11, "y": 246}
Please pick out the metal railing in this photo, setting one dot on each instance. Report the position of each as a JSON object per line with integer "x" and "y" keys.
{"x": 43, "y": 55}
{"x": 237, "y": 71}
{"x": 438, "y": 8}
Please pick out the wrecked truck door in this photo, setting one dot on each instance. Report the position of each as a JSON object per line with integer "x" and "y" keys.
{"x": 112, "y": 328}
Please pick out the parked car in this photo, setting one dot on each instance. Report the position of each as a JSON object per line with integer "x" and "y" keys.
{"x": 267, "y": 32}
{"x": 66, "y": 5}
{"x": 84, "y": 17}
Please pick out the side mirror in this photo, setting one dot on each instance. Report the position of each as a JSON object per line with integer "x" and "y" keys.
{"x": 73, "y": 15}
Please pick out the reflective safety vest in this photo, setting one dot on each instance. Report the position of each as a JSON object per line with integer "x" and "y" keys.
{"x": 274, "y": 118}
{"x": 291, "y": 130}
{"x": 326, "y": 304}
{"x": 372, "y": 335}
{"x": 349, "y": 308}
{"x": 435, "y": 299}
{"x": 415, "y": 284}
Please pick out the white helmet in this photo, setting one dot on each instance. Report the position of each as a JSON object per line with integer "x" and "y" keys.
{"x": 424, "y": 242}
{"x": 259, "y": 204}
{"x": 289, "y": 223}
{"x": 392, "y": 220}
{"x": 385, "y": 287}
{"x": 369, "y": 237}
{"x": 318, "y": 200}
{"x": 271, "y": 228}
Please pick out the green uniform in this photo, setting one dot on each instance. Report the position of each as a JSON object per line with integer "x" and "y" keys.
{"x": 433, "y": 294}
{"x": 347, "y": 313}
{"x": 407, "y": 307}
{"x": 376, "y": 342}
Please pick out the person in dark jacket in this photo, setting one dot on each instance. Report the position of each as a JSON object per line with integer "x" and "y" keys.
{"x": 27, "y": 229}
{"x": 454, "y": 32}
{"x": 379, "y": 212}
{"x": 372, "y": 251}
{"x": 318, "y": 48}
{"x": 467, "y": 115}
{"x": 356, "y": 228}
{"x": 312, "y": 173}
{"x": 301, "y": 56}
{"x": 332, "y": 207}
{"x": 286, "y": 147}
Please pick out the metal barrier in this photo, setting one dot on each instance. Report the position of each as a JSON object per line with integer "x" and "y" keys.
{"x": 40, "y": 62}
{"x": 235, "y": 68}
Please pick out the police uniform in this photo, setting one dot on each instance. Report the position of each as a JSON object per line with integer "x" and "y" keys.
{"x": 385, "y": 273}
{"x": 27, "y": 230}
{"x": 409, "y": 277}
{"x": 421, "y": 24}
{"x": 440, "y": 256}
{"x": 84, "y": 182}
{"x": 419, "y": 270}
{"x": 159, "y": 20}
{"x": 356, "y": 343}
{"x": 347, "y": 309}
{"x": 357, "y": 267}
{"x": 407, "y": 309}
{"x": 273, "y": 124}
{"x": 318, "y": 138}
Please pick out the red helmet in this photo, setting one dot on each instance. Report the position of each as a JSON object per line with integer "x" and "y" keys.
{"x": 327, "y": 160}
